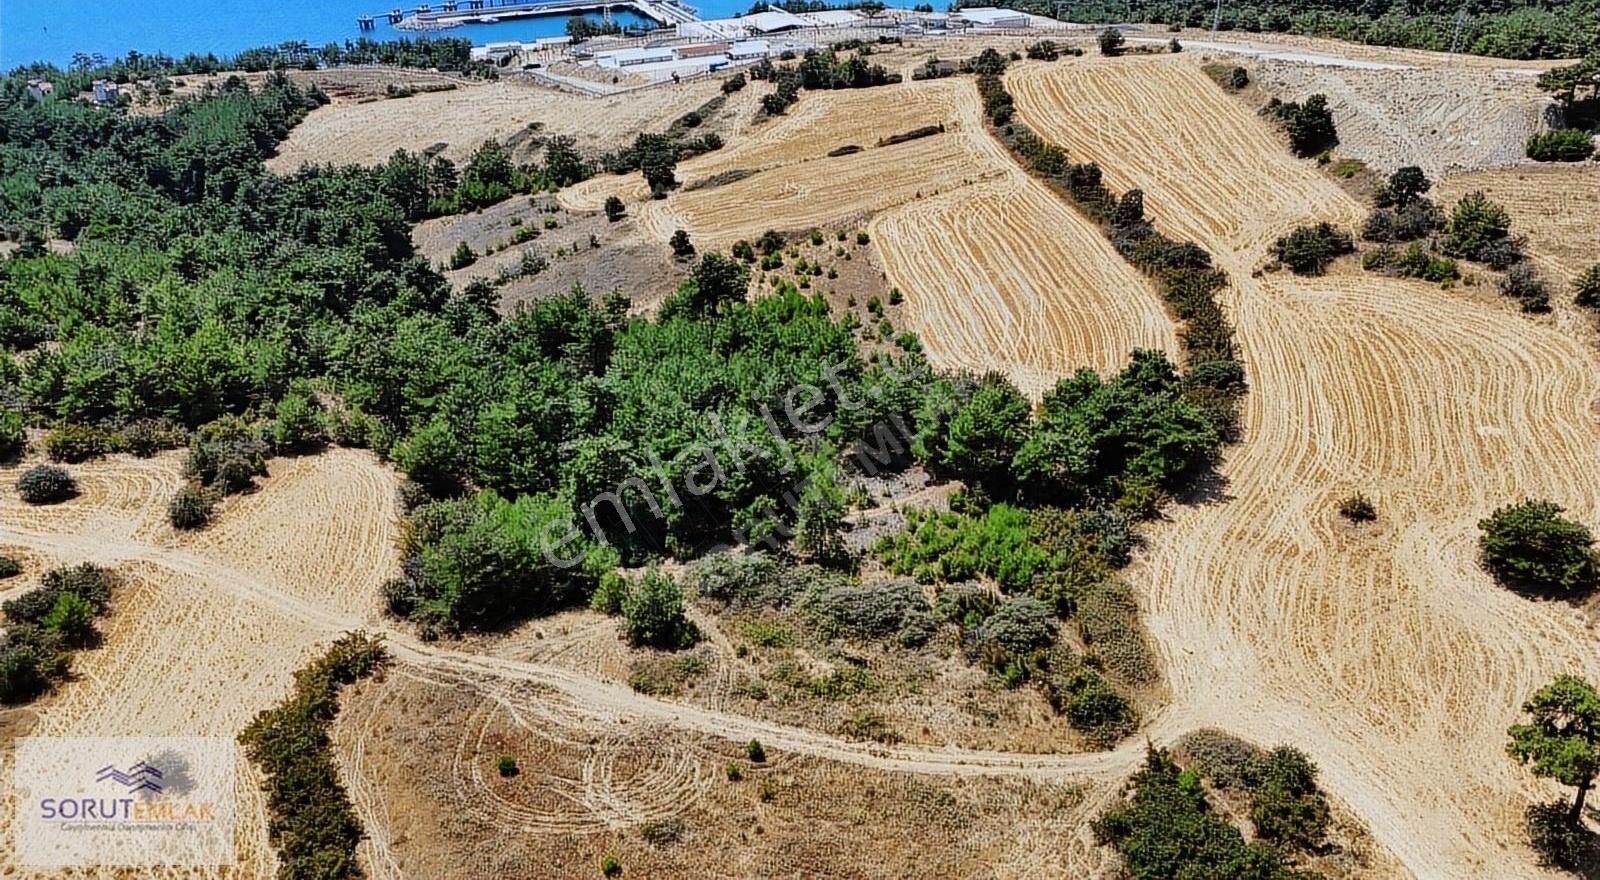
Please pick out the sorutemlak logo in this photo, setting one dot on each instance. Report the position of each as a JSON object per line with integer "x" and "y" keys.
{"x": 124, "y": 800}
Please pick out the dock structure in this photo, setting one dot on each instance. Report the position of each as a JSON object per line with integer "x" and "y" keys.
{"x": 665, "y": 13}
{"x": 365, "y": 22}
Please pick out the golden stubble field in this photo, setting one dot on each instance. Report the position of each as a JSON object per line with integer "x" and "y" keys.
{"x": 997, "y": 273}
{"x": 1382, "y": 650}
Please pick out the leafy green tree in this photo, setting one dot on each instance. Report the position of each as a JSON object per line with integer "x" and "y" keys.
{"x": 433, "y": 457}
{"x": 192, "y": 507}
{"x": 615, "y": 209}
{"x": 463, "y": 256}
{"x": 563, "y": 166}
{"x": 1286, "y": 805}
{"x": 652, "y": 614}
{"x": 1309, "y": 249}
{"x": 297, "y": 423}
{"x": 1530, "y": 546}
{"x": 985, "y": 432}
{"x": 715, "y": 282}
{"x": 1562, "y": 145}
{"x": 1406, "y": 185}
{"x": 1111, "y": 41}
{"x": 1562, "y": 738}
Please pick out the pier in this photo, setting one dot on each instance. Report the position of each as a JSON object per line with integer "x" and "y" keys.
{"x": 665, "y": 13}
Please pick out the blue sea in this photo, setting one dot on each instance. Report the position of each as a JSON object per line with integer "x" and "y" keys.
{"x": 52, "y": 30}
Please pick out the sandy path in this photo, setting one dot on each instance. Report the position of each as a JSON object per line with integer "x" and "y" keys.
{"x": 1383, "y": 652}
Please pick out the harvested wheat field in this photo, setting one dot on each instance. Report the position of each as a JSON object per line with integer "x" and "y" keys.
{"x": 1382, "y": 650}
{"x": 466, "y": 117}
{"x": 996, "y": 272}
{"x": 208, "y": 628}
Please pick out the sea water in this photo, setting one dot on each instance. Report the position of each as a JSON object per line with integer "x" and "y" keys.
{"x": 54, "y": 30}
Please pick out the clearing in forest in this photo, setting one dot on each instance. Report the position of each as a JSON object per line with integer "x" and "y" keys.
{"x": 1382, "y": 650}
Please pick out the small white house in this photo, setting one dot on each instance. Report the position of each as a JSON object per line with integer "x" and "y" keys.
{"x": 39, "y": 89}
{"x": 105, "y": 91}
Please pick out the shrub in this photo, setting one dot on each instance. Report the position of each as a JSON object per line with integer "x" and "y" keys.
{"x": 297, "y": 421}
{"x": 652, "y": 614}
{"x": 312, "y": 823}
{"x": 1174, "y": 46}
{"x": 1562, "y": 145}
{"x": 1530, "y": 546}
{"x": 13, "y": 436}
{"x": 463, "y": 256}
{"x": 1224, "y": 758}
{"x": 1413, "y": 262}
{"x": 755, "y": 752}
{"x": 74, "y": 444}
{"x": 610, "y": 594}
{"x": 30, "y": 659}
{"x": 1309, "y": 125}
{"x": 506, "y": 766}
{"x": 615, "y": 209}
{"x": 733, "y": 84}
{"x": 1108, "y": 619}
{"x": 660, "y": 832}
{"x": 192, "y": 507}
{"x": 1309, "y": 249}
{"x": 1013, "y": 638}
{"x": 1239, "y": 78}
{"x": 146, "y": 437}
{"x": 1524, "y": 284}
{"x": 1358, "y": 508}
{"x": 682, "y": 248}
{"x": 939, "y": 547}
{"x": 1286, "y": 806}
{"x": 609, "y": 866}
{"x": 46, "y": 484}
{"x": 1090, "y": 704}
{"x": 227, "y": 454}
{"x": 895, "y": 608}
{"x": 1586, "y": 289}
{"x": 733, "y": 772}
{"x": 1475, "y": 225}
{"x": 72, "y": 619}
{"x": 9, "y": 567}
{"x": 1415, "y": 219}
{"x": 1111, "y": 42}
{"x": 862, "y": 238}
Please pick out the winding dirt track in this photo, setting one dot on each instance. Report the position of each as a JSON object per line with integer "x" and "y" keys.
{"x": 1382, "y": 651}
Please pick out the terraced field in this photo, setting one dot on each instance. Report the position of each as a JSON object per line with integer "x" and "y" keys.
{"x": 1382, "y": 650}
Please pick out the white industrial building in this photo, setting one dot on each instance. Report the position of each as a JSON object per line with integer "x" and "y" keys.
{"x": 773, "y": 21}
{"x": 990, "y": 16}
{"x": 633, "y": 57}
{"x": 834, "y": 18}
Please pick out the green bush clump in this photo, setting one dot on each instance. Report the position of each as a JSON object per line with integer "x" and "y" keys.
{"x": 652, "y": 614}
{"x": 46, "y": 484}
{"x": 192, "y": 507}
{"x": 227, "y": 454}
{"x": 1166, "y": 828}
{"x": 939, "y": 547}
{"x": 13, "y": 436}
{"x": 45, "y": 624}
{"x": 1414, "y": 262}
{"x": 1531, "y": 547}
{"x": 891, "y": 608}
{"x": 1561, "y": 145}
{"x": 506, "y": 766}
{"x": 1309, "y": 249}
{"x": 1090, "y": 704}
{"x": 9, "y": 567}
{"x": 1225, "y": 759}
{"x": 74, "y": 444}
{"x": 1523, "y": 283}
{"x": 1586, "y": 289}
{"x": 1358, "y": 508}
{"x": 1480, "y": 230}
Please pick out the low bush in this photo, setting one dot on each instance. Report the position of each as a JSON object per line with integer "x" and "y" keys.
{"x": 1225, "y": 759}
{"x": 74, "y": 444}
{"x": 1413, "y": 262}
{"x": 463, "y": 256}
{"x": 506, "y": 766}
{"x": 940, "y": 547}
{"x": 9, "y": 567}
{"x": 755, "y": 752}
{"x": 227, "y": 454}
{"x": 1358, "y": 508}
{"x": 1561, "y": 145}
{"x": 1523, "y": 283}
{"x": 192, "y": 507}
{"x": 13, "y": 436}
{"x": 1286, "y": 805}
{"x": 893, "y": 608}
{"x": 1108, "y": 620}
{"x": 1309, "y": 249}
{"x": 1415, "y": 219}
{"x": 661, "y": 832}
{"x": 653, "y": 617}
{"x": 1090, "y": 704}
{"x": 46, "y": 484}
{"x": 1586, "y": 289}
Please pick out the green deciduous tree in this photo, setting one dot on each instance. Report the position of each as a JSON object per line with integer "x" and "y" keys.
{"x": 1561, "y": 740}
{"x": 652, "y": 614}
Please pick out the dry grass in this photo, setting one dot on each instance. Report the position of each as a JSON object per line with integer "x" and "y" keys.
{"x": 366, "y": 133}
{"x": 586, "y": 791}
{"x": 1386, "y": 654}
